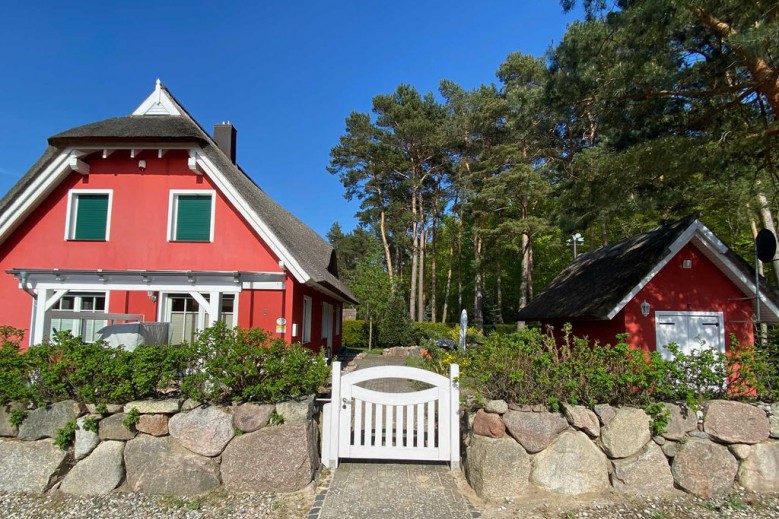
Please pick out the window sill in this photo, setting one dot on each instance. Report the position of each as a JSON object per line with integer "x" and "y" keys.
{"x": 87, "y": 240}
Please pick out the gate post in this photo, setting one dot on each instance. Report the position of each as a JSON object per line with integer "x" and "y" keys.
{"x": 454, "y": 413}
{"x": 334, "y": 422}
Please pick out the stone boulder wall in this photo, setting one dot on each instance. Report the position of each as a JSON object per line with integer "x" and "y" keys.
{"x": 626, "y": 433}
{"x": 571, "y": 465}
{"x": 175, "y": 448}
{"x": 497, "y": 467}
{"x": 534, "y": 431}
{"x": 282, "y": 458}
{"x": 45, "y": 421}
{"x": 736, "y": 422}
{"x": 29, "y": 466}
{"x": 645, "y": 474}
{"x": 99, "y": 473}
{"x": 681, "y": 420}
{"x": 759, "y": 471}
{"x": 617, "y": 451}
{"x": 162, "y": 466}
{"x": 704, "y": 468}
{"x": 203, "y": 430}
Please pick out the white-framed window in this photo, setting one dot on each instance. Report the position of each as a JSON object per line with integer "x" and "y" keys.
{"x": 327, "y": 320}
{"x": 191, "y": 215}
{"x": 228, "y": 306}
{"x": 338, "y": 313}
{"x": 186, "y": 316}
{"x": 79, "y": 302}
{"x": 307, "y": 306}
{"x": 89, "y": 214}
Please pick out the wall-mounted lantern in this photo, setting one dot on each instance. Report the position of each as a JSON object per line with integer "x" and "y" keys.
{"x": 645, "y": 307}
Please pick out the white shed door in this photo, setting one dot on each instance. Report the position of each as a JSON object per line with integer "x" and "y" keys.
{"x": 688, "y": 329}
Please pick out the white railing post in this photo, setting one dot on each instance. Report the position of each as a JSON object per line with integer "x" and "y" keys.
{"x": 454, "y": 416}
{"x": 335, "y": 416}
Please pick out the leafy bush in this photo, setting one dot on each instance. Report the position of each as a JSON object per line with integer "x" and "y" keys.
{"x": 501, "y": 329}
{"x": 66, "y": 435}
{"x": 354, "y": 334}
{"x": 220, "y": 366}
{"x": 13, "y": 368}
{"x": 529, "y": 367}
{"x": 248, "y": 365}
{"x": 86, "y": 372}
{"x": 433, "y": 331}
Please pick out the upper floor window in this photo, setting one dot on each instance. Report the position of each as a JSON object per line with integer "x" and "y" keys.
{"x": 191, "y": 216}
{"x": 89, "y": 215}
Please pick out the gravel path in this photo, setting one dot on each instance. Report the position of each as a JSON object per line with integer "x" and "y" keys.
{"x": 56, "y": 505}
{"x": 738, "y": 504}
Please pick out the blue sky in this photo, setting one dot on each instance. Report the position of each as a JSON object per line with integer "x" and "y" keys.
{"x": 287, "y": 74}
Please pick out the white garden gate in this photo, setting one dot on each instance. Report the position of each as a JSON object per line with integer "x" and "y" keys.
{"x": 367, "y": 424}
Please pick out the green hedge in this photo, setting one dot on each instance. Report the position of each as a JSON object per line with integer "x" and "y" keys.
{"x": 222, "y": 365}
{"x": 354, "y": 334}
{"x": 528, "y": 367}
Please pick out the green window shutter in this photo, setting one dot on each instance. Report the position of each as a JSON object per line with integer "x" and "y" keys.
{"x": 91, "y": 217}
{"x": 193, "y": 218}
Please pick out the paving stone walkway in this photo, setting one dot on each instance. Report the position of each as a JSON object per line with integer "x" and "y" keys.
{"x": 367, "y": 490}
{"x": 392, "y": 490}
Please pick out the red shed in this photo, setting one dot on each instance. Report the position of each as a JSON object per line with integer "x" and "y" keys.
{"x": 676, "y": 283}
{"x": 147, "y": 218}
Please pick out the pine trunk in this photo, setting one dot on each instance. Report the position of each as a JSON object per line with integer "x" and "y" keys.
{"x": 433, "y": 273}
{"x": 445, "y": 313}
{"x": 498, "y": 292}
{"x": 412, "y": 293}
{"x": 478, "y": 284}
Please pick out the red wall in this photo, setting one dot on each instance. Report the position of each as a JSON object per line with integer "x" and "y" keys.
{"x": 702, "y": 288}
{"x": 138, "y": 238}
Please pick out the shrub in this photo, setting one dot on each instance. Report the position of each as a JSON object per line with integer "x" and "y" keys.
{"x": 159, "y": 369}
{"x": 529, "y": 368}
{"x": 86, "y": 372}
{"x": 424, "y": 331}
{"x": 14, "y": 367}
{"x": 354, "y": 334}
{"x": 248, "y": 365}
{"x": 66, "y": 435}
{"x": 501, "y": 329}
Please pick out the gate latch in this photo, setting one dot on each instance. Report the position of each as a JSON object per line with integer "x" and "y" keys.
{"x": 345, "y": 402}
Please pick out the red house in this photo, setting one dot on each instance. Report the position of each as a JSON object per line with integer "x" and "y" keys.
{"x": 148, "y": 218}
{"x": 677, "y": 283}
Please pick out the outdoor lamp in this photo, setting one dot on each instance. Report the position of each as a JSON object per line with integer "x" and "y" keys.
{"x": 645, "y": 308}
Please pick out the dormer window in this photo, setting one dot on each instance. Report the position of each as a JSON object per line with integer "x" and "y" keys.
{"x": 89, "y": 215}
{"x": 191, "y": 216}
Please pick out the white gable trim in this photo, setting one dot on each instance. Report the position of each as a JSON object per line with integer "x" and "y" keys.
{"x": 707, "y": 239}
{"x": 254, "y": 219}
{"x": 40, "y": 186}
{"x": 158, "y": 103}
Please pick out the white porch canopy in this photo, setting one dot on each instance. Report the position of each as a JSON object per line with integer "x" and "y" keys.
{"x": 48, "y": 286}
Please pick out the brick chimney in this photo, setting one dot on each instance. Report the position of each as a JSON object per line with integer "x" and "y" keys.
{"x": 225, "y": 137}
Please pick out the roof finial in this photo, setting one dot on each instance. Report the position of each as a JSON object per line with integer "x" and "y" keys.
{"x": 158, "y": 90}
{"x": 159, "y": 84}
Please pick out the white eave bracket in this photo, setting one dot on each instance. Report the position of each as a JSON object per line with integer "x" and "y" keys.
{"x": 192, "y": 162}
{"x": 78, "y": 165}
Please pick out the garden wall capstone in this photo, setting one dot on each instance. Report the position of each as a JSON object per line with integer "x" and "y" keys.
{"x": 175, "y": 447}
{"x": 511, "y": 450}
